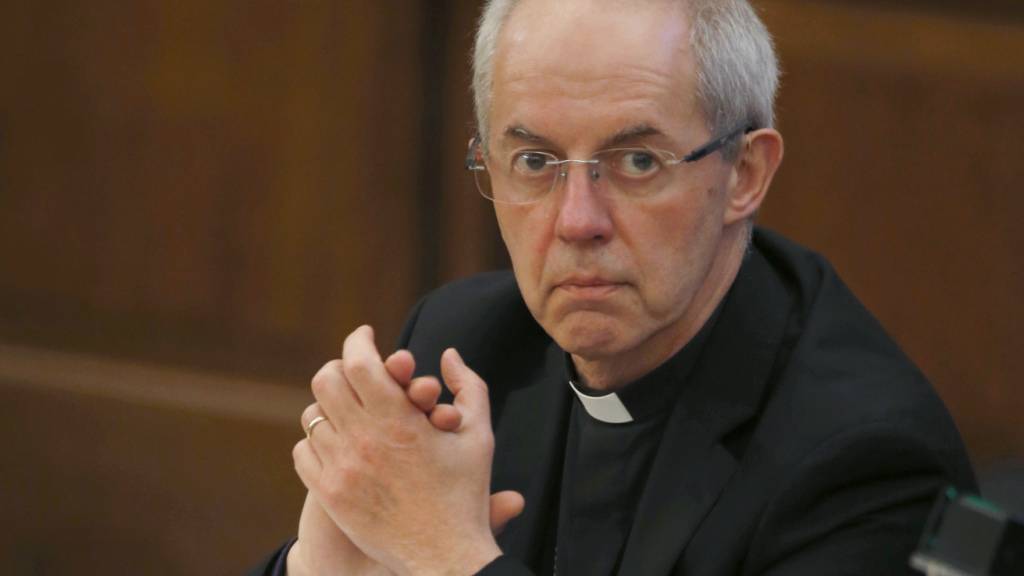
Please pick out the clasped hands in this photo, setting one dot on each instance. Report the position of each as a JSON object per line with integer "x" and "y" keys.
{"x": 398, "y": 484}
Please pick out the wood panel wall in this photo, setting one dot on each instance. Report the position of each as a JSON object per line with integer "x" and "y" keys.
{"x": 222, "y": 188}
{"x": 114, "y": 467}
{"x": 203, "y": 198}
{"x": 905, "y": 133}
{"x": 230, "y": 184}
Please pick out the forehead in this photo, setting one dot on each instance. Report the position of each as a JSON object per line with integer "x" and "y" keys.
{"x": 585, "y": 65}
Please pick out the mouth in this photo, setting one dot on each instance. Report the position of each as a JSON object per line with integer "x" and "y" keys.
{"x": 588, "y": 288}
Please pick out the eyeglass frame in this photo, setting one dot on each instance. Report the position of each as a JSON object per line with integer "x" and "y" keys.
{"x": 699, "y": 153}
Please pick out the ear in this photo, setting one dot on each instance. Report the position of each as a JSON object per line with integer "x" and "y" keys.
{"x": 752, "y": 173}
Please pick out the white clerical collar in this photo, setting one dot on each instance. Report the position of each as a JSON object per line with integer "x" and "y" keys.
{"x": 607, "y": 408}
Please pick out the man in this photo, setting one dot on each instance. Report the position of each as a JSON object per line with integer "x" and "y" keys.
{"x": 670, "y": 391}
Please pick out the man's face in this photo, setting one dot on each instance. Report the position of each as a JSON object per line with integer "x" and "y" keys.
{"x": 605, "y": 275}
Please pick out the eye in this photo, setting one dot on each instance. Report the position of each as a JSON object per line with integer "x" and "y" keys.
{"x": 531, "y": 163}
{"x": 636, "y": 163}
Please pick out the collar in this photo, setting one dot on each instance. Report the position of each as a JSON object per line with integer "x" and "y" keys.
{"x": 607, "y": 408}
{"x": 648, "y": 396}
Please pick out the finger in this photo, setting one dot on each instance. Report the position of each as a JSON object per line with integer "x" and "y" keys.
{"x": 311, "y": 413}
{"x": 335, "y": 396}
{"x": 401, "y": 366}
{"x": 504, "y": 507}
{"x": 446, "y": 418}
{"x": 307, "y": 465}
{"x": 470, "y": 391}
{"x": 320, "y": 432}
{"x": 424, "y": 392}
{"x": 365, "y": 372}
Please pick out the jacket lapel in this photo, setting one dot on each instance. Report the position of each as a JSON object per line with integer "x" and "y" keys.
{"x": 529, "y": 449}
{"x": 724, "y": 390}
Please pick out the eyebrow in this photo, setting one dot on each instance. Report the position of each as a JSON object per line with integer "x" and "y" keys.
{"x": 520, "y": 132}
{"x": 631, "y": 133}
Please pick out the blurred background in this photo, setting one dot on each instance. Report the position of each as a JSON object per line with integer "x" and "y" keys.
{"x": 199, "y": 200}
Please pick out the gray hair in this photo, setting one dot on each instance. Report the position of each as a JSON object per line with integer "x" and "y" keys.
{"x": 737, "y": 69}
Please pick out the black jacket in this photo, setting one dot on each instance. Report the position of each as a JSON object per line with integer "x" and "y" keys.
{"x": 804, "y": 442}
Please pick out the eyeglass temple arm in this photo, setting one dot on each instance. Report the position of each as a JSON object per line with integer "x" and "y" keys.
{"x": 715, "y": 144}
{"x": 471, "y": 163}
{"x": 710, "y": 147}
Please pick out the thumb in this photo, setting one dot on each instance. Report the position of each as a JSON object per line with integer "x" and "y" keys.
{"x": 504, "y": 507}
{"x": 470, "y": 391}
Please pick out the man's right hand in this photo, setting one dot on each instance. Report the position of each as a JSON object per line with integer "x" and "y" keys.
{"x": 322, "y": 547}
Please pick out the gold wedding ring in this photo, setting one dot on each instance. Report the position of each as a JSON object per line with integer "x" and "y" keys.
{"x": 313, "y": 423}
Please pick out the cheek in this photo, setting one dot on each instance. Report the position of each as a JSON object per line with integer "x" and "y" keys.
{"x": 676, "y": 250}
{"x": 525, "y": 236}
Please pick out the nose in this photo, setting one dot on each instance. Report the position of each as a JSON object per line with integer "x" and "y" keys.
{"x": 583, "y": 211}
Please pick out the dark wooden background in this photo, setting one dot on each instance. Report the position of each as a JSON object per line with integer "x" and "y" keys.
{"x": 198, "y": 200}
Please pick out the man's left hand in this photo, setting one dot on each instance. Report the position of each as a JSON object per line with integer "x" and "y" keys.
{"x": 412, "y": 497}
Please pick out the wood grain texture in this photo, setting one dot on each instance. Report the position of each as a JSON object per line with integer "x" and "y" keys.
{"x": 470, "y": 238}
{"x": 226, "y": 184}
{"x": 124, "y": 468}
{"x": 222, "y": 186}
{"x": 904, "y": 137}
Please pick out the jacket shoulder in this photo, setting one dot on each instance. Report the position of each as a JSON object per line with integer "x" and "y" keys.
{"x": 837, "y": 348}
{"x": 484, "y": 317}
{"x": 845, "y": 377}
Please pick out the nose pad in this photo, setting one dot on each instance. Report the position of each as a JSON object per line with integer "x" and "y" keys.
{"x": 593, "y": 170}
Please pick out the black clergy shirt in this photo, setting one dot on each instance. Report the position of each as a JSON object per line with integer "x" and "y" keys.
{"x": 606, "y": 466}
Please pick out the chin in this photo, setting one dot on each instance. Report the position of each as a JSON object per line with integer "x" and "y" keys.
{"x": 590, "y": 335}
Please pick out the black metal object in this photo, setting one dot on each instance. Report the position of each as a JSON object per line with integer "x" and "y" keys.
{"x": 969, "y": 536}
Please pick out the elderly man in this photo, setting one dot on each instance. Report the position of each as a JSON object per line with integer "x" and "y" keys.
{"x": 669, "y": 390}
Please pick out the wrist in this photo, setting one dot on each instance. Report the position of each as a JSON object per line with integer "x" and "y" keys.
{"x": 478, "y": 558}
{"x": 462, "y": 561}
{"x": 294, "y": 564}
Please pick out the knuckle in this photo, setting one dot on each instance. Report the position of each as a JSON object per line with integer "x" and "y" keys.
{"x": 325, "y": 376}
{"x": 399, "y": 434}
{"x": 358, "y": 369}
{"x": 483, "y": 441}
{"x": 351, "y": 335}
{"x": 333, "y": 489}
{"x": 297, "y": 451}
{"x": 319, "y": 385}
{"x": 340, "y": 484}
{"x": 365, "y": 448}
{"x": 487, "y": 443}
{"x": 308, "y": 413}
